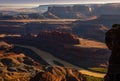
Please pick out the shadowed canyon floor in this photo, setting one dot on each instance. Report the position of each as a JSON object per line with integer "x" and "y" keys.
{"x": 50, "y": 60}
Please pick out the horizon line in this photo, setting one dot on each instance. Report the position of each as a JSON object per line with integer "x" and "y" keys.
{"x": 37, "y": 4}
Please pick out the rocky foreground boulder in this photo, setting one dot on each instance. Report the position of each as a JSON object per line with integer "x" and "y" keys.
{"x": 59, "y": 74}
{"x": 113, "y": 42}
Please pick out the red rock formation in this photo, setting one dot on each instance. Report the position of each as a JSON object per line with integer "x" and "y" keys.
{"x": 61, "y": 37}
{"x": 59, "y": 74}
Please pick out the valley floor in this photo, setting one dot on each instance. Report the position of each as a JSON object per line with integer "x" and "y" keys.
{"x": 51, "y": 60}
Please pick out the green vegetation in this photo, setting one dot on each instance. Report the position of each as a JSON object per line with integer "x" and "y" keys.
{"x": 101, "y": 70}
{"x": 91, "y": 78}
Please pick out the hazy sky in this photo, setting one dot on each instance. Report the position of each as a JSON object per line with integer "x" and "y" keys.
{"x": 34, "y": 3}
{"x": 55, "y": 1}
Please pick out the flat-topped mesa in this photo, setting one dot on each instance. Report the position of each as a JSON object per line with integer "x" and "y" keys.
{"x": 66, "y": 12}
{"x": 113, "y": 43}
{"x": 61, "y": 37}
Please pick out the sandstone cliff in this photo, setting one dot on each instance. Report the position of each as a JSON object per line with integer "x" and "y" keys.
{"x": 77, "y": 11}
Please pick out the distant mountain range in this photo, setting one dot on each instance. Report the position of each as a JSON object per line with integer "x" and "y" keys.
{"x": 67, "y": 11}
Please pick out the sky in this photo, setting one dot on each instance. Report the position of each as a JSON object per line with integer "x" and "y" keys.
{"x": 55, "y": 1}
{"x": 39, "y": 2}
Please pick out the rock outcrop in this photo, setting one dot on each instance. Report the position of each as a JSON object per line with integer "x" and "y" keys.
{"x": 5, "y": 46}
{"x": 59, "y": 74}
{"x": 21, "y": 67}
{"x": 77, "y": 11}
{"x": 113, "y": 43}
{"x": 61, "y": 37}
{"x": 17, "y": 66}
